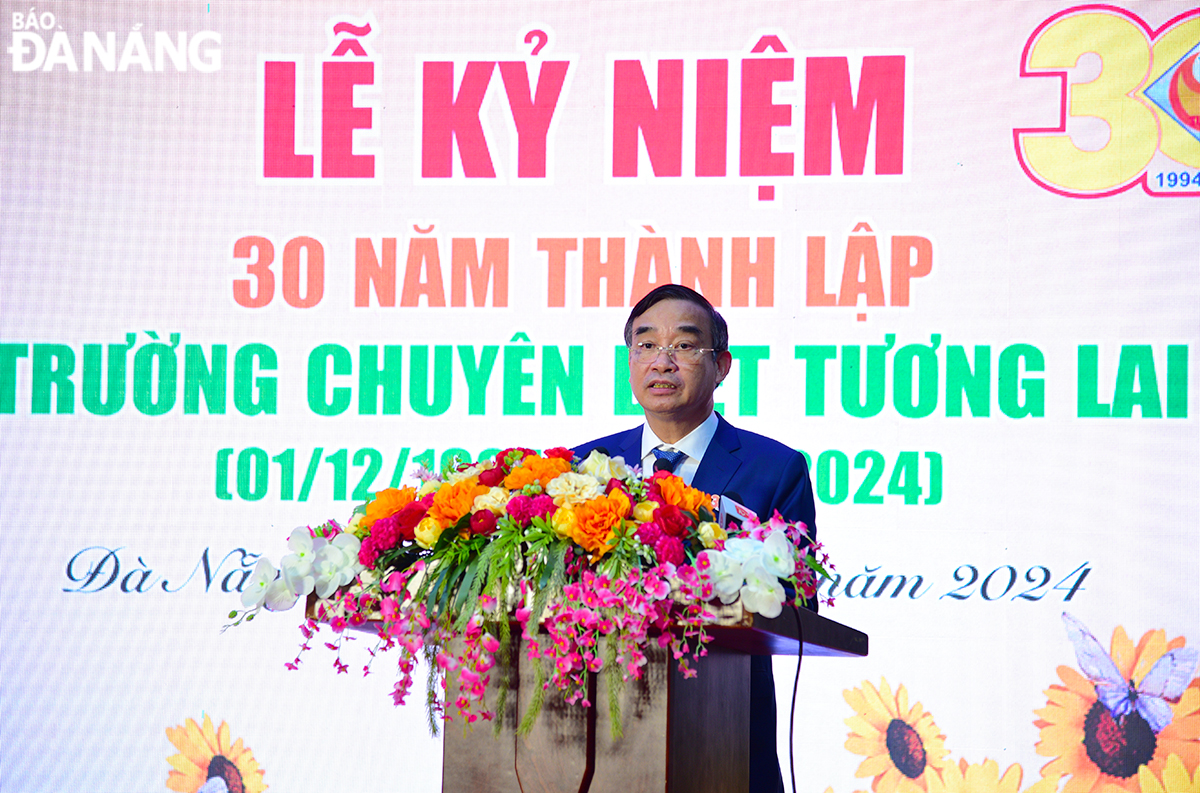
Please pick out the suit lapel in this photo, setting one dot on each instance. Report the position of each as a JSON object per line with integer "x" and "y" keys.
{"x": 631, "y": 446}
{"x": 720, "y": 461}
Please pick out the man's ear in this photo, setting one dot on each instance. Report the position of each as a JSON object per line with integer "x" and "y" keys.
{"x": 724, "y": 363}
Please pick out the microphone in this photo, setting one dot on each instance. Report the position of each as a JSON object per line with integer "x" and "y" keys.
{"x": 731, "y": 507}
{"x": 599, "y": 449}
{"x": 663, "y": 465}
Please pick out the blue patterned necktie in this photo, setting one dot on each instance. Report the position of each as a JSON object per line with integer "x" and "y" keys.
{"x": 672, "y": 458}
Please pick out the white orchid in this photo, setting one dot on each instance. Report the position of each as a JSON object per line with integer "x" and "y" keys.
{"x": 750, "y": 569}
{"x": 303, "y": 547}
{"x": 255, "y": 588}
{"x": 762, "y": 592}
{"x": 742, "y": 549}
{"x": 779, "y": 555}
{"x": 336, "y": 564}
{"x": 725, "y": 574}
{"x": 284, "y": 591}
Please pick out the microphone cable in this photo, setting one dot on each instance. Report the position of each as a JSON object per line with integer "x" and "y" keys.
{"x": 795, "y": 688}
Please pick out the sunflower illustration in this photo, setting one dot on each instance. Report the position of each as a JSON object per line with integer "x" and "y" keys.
{"x": 1175, "y": 778}
{"x": 1100, "y": 752}
{"x": 984, "y": 777}
{"x": 205, "y": 754}
{"x": 901, "y": 743}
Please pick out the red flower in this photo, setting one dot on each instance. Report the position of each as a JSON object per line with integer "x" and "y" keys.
{"x": 408, "y": 518}
{"x": 367, "y": 553}
{"x": 500, "y": 456}
{"x": 483, "y": 522}
{"x": 650, "y": 533}
{"x": 542, "y": 506}
{"x": 674, "y": 521}
{"x": 492, "y": 477}
{"x": 386, "y": 533}
{"x": 669, "y": 549}
{"x": 561, "y": 453}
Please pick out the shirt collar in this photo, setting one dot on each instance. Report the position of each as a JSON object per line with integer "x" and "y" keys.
{"x": 694, "y": 444}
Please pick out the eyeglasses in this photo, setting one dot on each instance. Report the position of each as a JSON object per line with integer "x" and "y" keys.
{"x": 684, "y": 352}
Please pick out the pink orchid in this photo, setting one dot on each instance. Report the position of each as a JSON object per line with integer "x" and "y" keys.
{"x": 657, "y": 587}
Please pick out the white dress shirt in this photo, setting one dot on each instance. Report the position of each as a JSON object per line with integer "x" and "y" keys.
{"x": 694, "y": 444}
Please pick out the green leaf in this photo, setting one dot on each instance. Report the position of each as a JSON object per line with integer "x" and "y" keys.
{"x": 444, "y": 539}
{"x": 616, "y": 686}
{"x": 535, "y": 701}
{"x": 432, "y": 592}
{"x": 431, "y": 687}
{"x": 464, "y": 597}
{"x": 444, "y": 599}
{"x": 400, "y": 559}
{"x": 551, "y": 579}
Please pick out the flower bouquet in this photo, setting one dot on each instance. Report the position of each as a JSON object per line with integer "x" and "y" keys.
{"x": 589, "y": 560}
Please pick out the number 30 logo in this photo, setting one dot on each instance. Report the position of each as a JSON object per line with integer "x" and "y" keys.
{"x": 1147, "y": 92}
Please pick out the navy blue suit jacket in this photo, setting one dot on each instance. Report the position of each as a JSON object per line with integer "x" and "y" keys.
{"x": 765, "y": 476}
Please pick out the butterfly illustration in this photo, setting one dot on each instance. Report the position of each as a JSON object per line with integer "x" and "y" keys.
{"x": 1165, "y": 681}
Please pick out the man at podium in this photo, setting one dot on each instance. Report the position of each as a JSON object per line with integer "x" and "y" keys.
{"x": 678, "y": 355}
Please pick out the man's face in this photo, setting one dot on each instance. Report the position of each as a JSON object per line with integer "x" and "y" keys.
{"x": 676, "y": 392}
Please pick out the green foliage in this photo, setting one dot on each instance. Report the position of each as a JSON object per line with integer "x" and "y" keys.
{"x": 536, "y": 701}
{"x": 616, "y": 686}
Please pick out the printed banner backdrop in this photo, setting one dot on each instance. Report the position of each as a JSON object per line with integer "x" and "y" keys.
{"x": 262, "y": 259}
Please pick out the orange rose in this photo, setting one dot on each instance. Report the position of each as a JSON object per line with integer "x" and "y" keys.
{"x": 674, "y": 491}
{"x": 622, "y": 501}
{"x": 387, "y": 502}
{"x": 596, "y": 521}
{"x": 451, "y": 502}
{"x": 536, "y": 469}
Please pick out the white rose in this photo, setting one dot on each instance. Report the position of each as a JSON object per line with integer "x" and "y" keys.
{"x": 603, "y": 467}
{"x": 493, "y": 500}
{"x": 571, "y": 488}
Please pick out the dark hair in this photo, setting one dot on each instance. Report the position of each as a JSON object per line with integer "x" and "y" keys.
{"x": 718, "y": 330}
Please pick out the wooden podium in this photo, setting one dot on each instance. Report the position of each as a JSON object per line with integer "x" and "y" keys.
{"x": 680, "y": 736}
